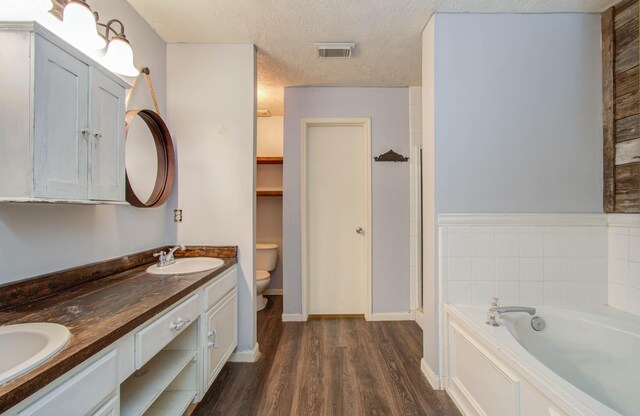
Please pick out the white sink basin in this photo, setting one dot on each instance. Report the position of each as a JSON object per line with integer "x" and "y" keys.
{"x": 25, "y": 346}
{"x": 188, "y": 265}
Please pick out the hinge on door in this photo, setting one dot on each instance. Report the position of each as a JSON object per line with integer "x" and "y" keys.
{"x": 177, "y": 215}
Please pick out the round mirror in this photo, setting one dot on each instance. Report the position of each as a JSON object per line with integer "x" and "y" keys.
{"x": 150, "y": 159}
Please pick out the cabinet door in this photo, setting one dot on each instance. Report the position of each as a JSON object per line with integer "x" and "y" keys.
{"x": 222, "y": 332}
{"x": 107, "y": 139}
{"x": 61, "y": 122}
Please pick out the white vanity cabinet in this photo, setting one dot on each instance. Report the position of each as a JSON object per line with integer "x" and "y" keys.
{"x": 159, "y": 368}
{"x": 62, "y": 121}
{"x": 92, "y": 391}
{"x": 221, "y": 324}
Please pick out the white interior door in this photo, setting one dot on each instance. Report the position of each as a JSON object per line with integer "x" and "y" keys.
{"x": 336, "y": 218}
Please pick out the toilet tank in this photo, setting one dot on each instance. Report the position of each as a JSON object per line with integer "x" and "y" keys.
{"x": 266, "y": 257}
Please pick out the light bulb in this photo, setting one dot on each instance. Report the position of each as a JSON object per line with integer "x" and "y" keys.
{"x": 119, "y": 57}
{"x": 80, "y": 23}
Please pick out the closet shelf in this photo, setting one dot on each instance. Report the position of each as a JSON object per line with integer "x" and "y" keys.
{"x": 270, "y": 161}
{"x": 269, "y": 192}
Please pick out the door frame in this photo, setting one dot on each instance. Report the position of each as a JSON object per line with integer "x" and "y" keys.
{"x": 306, "y": 123}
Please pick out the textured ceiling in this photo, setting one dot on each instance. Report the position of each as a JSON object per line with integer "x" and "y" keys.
{"x": 387, "y": 33}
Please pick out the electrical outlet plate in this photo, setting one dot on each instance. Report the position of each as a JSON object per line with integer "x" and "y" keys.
{"x": 177, "y": 215}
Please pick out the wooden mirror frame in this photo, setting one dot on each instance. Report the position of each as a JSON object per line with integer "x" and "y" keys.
{"x": 166, "y": 160}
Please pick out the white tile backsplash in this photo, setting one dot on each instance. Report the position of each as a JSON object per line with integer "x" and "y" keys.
{"x": 530, "y": 264}
{"x": 556, "y": 269}
{"x": 531, "y": 270}
{"x": 483, "y": 268}
{"x": 530, "y": 245}
{"x": 554, "y": 245}
{"x": 624, "y": 265}
{"x": 506, "y": 244}
{"x": 507, "y": 268}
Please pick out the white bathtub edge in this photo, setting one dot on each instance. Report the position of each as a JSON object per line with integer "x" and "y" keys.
{"x": 546, "y": 381}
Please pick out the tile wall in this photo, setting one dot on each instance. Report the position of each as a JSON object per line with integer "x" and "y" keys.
{"x": 624, "y": 264}
{"x": 525, "y": 264}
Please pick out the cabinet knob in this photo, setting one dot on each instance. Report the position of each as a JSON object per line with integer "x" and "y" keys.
{"x": 85, "y": 133}
{"x": 98, "y": 135}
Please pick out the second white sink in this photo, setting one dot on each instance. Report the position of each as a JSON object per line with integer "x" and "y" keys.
{"x": 25, "y": 346}
{"x": 188, "y": 265}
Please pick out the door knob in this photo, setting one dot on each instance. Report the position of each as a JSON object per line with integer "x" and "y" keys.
{"x": 359, "y": 230}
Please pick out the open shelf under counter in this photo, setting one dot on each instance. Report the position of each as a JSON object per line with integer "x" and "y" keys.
{"x": 140, "y": 391}
{"x": 269, "y": 192}
{"x": 270, "y": 160}
{"x": 171, "y": 403}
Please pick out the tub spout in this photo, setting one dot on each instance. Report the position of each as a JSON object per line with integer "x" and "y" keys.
{"x": 495, "y": 311}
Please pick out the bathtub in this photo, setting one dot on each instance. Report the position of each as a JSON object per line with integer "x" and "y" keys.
{"x": 586, "y": 362}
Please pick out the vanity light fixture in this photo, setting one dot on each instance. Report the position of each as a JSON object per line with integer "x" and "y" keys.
{"x": 79, "y": 20}
{"x": 83, "y": 24}
{"x": 119, "y": 56}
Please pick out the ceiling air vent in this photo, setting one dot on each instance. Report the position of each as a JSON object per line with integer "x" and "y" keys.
{"x": 335, "y": 50}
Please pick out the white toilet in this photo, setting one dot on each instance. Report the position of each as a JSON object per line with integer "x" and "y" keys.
{"x": 266, "y": 262}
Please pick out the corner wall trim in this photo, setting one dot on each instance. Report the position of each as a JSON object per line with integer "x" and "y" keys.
{"x": 292, "y": 317}
{"x": 432, "y": 378}
{"x": 400, "y": 316}
{"x": 624, "y": 220}
{"x": 248, "y": 356}
{"x": 274, "y": 292}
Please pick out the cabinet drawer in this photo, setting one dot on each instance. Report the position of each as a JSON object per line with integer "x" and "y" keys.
{"x": 86, "y": 391}
{"x": 155, "y": 336}
{"x": 217, "y": 290}
{"x": 112, "y": 408}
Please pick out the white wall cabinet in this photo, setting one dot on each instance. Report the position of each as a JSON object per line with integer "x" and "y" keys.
{"x": 63, "y": 121}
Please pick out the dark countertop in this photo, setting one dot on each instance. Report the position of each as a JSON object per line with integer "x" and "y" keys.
{"x": 97, "y": 314}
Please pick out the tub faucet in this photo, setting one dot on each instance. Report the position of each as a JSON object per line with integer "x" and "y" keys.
{"x": 495, "y": 311}
{"x": 166, "y": 259}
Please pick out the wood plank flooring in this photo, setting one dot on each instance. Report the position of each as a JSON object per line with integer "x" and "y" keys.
{"x": 329, "y": 367}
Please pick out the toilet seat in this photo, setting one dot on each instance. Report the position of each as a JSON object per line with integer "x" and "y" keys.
{"x": 261, "y": 275}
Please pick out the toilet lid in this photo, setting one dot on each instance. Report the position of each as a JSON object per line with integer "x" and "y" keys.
{"x": 261, "y": 275}
{"x": 266, "y": 246}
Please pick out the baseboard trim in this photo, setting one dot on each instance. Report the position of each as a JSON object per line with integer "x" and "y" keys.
{"x": 274, "y": 292}
{"x": 402, "y": 316}
{"x": 292, "y": 317}
{"x": 419, "y": 318}
{"x": 432, "y": 378}
{"x": 248, "y": 356}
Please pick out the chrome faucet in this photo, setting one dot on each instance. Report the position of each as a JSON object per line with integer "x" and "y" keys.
{"x": 166, "y": 259}
{"x": 495, "y": 311}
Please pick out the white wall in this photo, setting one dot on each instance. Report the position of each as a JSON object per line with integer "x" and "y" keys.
{"x": 270, "y": 136}
{"x": 512, "y": 121}
{"x": 38, "y": 239}
{"x": 211, "y": 93}
{"x": 430, "y": 288}
{"x": 269, "y": 209}
{"x": 518, "y": 113}
{"x": 388, "y": 109}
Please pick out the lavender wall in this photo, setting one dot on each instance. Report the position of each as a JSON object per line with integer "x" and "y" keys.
{"x": 388, "y": 109}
